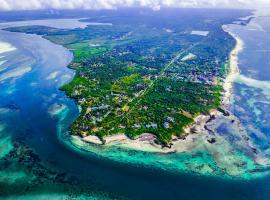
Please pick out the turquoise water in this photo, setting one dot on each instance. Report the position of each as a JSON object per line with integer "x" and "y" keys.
{"x": 38, "y": 157}
{"x": 252, "y": 87}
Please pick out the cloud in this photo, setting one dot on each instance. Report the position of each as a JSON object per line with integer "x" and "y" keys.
{"x": 112, "y": 4}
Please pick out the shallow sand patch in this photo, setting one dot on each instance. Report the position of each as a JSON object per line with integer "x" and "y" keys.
{"x": 200, "y": 33}
{"x": 4, "y": 110}
{"x": 2, "y": 127}
{"x": 5, "y": 146}
{"x": 15, "y": 73}
{"x": 168, "y": 30}
{"x": 52, "y": 75}
{"x": 263, "y": 85}
{"x": 2, "y": 62}
{"x": 6, "y": 47}
{"x": 2, "y": 68}
{"x": 56, "y": 109}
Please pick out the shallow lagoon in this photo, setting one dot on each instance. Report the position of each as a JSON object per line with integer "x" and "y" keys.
{"x": 34, "y": 118}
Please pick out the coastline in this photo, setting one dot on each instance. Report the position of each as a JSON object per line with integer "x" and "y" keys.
{"x": 234, "y": 71}
{"x": 190, "y": 143}
{"x": 190, "y": 140}
{"x": 69, "y": 167}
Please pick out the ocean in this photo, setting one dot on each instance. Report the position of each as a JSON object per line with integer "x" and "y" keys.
{"x": 38, "y": 157}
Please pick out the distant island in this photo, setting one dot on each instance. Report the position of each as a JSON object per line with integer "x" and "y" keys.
{"x": 149, "y": 76}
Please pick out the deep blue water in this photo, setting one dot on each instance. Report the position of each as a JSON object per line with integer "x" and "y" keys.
{"x": 31, "y": 101}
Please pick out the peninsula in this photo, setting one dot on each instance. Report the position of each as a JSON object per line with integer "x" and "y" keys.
{"x": 148, "y": 76}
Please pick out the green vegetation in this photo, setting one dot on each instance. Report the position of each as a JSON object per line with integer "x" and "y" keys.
{"x": 84, "y": 50}
{"x": 131, "y": 78}
{"x": 128, "y": 84}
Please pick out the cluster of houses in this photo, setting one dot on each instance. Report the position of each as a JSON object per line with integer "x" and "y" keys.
{"x": 102, "y": 107}
{"x": 195, "y": 72}
{"x": 166, "y": 124}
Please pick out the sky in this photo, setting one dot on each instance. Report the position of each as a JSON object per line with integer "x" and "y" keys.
{"x": 113, "y": 4}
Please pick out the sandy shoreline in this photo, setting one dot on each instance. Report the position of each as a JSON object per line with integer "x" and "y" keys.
{"x": 145, "y": 142}
{"x": 233, "y": 69}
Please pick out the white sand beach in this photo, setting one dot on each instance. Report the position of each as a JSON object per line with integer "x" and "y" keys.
{"x": 233, "y": 68}
{"x": 92, "y": 139}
